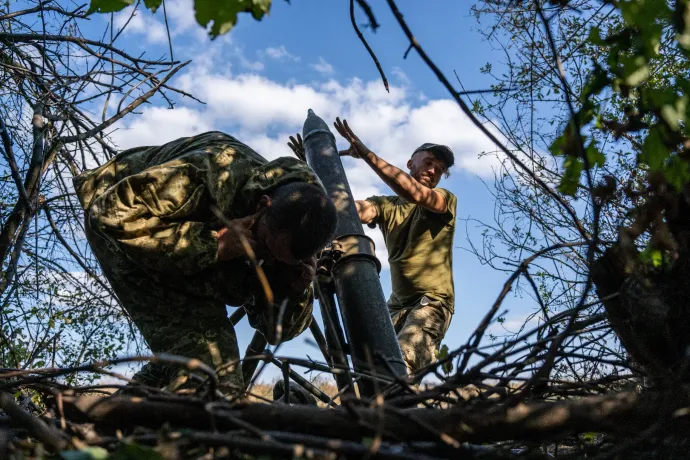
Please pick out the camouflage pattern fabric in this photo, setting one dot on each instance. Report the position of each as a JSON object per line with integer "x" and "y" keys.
{"x": 149, "y": 222}
{"x": 420, "y": 329}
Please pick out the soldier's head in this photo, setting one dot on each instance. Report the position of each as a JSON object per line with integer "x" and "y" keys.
{"x": 299, "y": 221}
{"x": 429, "y": 162}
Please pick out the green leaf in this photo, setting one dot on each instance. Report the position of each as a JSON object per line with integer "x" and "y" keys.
{"x": 653, "y": 256}
{"x": 654, "y": 152}
{"x": 108, "y": 6}
{"x": 597, "y": 81}
{"x": 677, "y": 172}
{"x": 573, "y": 167}
{"x": 153, "y": 5}
{"x": 130, "y": 451}
{"x": 367, "y": 441}
{"x": 90, "y": 453}
{"x": 594, "y": 155}
{"x": 557, "y": 146}
{"x": 595, "y": 36}
{"x": 222, "y": 14}
{"x": 441, "y": 354}
{"x": 674, "y": 114}
{"x": 683, "y": 24}
{"x": 589, "y": 438}
{"x": 642, "y": 12}
{"x": 635, "y": 70}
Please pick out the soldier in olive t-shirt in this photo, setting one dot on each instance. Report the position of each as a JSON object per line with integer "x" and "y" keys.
{"x": 420, "y": 249}
{"x": 418, "y": 225}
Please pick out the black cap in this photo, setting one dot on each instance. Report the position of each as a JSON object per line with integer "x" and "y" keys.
{"x": 442, "y": 152}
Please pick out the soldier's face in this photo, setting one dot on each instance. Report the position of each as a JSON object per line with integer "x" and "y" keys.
{"x": 426, "y": 168}
{"x": 278, "y": 245}
{"x": 274, "y": 246}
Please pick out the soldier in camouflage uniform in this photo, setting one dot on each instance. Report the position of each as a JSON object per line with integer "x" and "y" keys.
{"x": 175, "y": 265}
{"x": 418, "y": 225}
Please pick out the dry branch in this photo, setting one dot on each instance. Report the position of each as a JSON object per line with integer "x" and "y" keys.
{"x": 52, "y": 438}
{"x": 622, "y": 414}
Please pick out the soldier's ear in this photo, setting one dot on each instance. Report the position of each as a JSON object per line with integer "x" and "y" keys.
{"x": 264, "y": 202}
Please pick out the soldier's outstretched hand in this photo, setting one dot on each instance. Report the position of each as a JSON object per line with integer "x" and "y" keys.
{"x": 357, "y": 148}
{"x": 297, "y": 146}
{"x": 237, "y": 240}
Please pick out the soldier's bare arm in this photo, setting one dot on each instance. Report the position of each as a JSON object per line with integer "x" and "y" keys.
{"x": 367, "y": 211}
{"x": 404, "y": 185}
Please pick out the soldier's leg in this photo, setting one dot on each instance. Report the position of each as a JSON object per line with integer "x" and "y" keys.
{"x": 200, "y": 334}
{"x": 420, "y": 332}
{"x": 170, "y": 321}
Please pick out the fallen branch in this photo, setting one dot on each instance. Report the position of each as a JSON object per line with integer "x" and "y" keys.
{"x": 51, "y": 437}
{"x": 621, "y": 414}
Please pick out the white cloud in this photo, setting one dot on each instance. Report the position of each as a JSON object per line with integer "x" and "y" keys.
{"x": 280, "y": 53}
{"x": 182, "y": 19}
{"x": 131, "y": 19}
{"x": 141, "y": 22}
{"x": 237, "y": 52}
{"x": 323, "y": 67}
{"x": 401, "y": 76}
{"x": 263, "y": 113}
{"x": 253, "y": 101}
{"x": 159, "y": 125}
{"x": 256, "y": 66}
{"x": 379, "y": 244}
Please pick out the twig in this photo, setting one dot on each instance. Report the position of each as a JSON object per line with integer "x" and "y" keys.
{"x": 442, "y": 78}
{"x": 52, "y": 438}
{"x": 364, "y": 41}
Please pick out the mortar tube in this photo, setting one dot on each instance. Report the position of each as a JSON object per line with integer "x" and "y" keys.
{"x": 360, "y": 297}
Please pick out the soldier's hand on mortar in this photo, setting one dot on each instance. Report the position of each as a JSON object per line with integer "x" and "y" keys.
{"x": 297, "y": 147}
{"x": 237, "y": 240}
{"x": 357, "y": 148}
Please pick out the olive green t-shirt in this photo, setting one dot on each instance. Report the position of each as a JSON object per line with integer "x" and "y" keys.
{"x": 420, "y": 249}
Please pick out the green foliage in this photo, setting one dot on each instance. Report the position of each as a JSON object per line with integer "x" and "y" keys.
{"x": 90, "y": 453}
{"x": 125, "y": 451}
{"x": 153, "y": 4}
{"x": 109, "y": 6}
{"x": 131, "y": 451}
{"x": 218, "y": 16}
{"x": 223, "y": 14}
{"x": 655, "y": 107}
{"x": 442, "y": 353}
{"x": 589, "y": 438}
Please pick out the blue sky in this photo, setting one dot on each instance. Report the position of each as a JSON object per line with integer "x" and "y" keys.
{"x": 260, "y": 79}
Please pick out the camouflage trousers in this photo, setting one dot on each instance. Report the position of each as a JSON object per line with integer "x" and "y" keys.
{"x": 420, "y": 329}
{"x": 172, "y": 320}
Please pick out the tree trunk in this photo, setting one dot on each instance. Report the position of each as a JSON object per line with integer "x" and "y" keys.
{"x": 650, "y": 311}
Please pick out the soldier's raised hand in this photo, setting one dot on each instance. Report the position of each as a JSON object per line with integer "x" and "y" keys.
{"x": 237, "y": 240}
{"x": 297, "y": 147}
{"x": 357, "y": 148}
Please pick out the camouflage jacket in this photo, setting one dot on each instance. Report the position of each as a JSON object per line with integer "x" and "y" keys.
{"x": 153, "y": 206}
